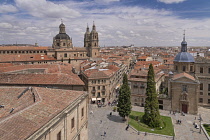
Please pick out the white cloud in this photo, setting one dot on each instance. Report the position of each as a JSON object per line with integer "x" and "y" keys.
{"x": 171, "y": 1}
{"x": 120, "y": 25}
{"x": 7, "y": 8}
{"x": 46, "y": 9}
{"x": 5, "y": 25}
{"x": 105, "y": 1}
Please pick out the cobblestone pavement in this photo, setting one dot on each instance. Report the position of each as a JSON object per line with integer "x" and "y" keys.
{"x": 100, "y": 121}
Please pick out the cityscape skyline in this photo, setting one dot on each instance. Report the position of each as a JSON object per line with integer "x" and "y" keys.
{"x": 118, "y": 22}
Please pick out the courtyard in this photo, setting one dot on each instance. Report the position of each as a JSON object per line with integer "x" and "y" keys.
{"x": 100, "y": 121}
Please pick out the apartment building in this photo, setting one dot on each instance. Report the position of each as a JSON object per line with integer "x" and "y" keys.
{"x": 138, "y": 84}
{"x": 102, "y": 83}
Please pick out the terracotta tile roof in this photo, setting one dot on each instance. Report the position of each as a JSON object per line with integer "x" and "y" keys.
{"x": 141, "y": 75}
{"x": 20, "y": 48}
{"x": 142, "y": 57}
{"x": 49, "y": 68}
{"x": 180, "y": 75}
{"x": 21, "y": 124}
{"x": 6, "y": 64}
{"x": 9, "y": 98}
{"x": 148, "y": 63}
{"x": 24, "y": 57}
{"x": 162, "y": 67}
{"x": 40, "y": 79}
{"x": 101, "y": 73}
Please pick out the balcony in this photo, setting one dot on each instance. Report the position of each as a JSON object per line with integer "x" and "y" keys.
{"x": 93, "y": 91}
{"x": 103, "y": 89}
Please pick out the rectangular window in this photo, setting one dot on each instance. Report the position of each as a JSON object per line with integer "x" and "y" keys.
{"x": 184, "y": 88}
{"x": 99, "y": 95}
{"x": 201, "y": 69}
{"x": 98, "y": 81}
{"x": 59, "y": 136}
{"x": 176, "y": 68}
{"x": 103, "y": 93}
{"x": 93, "y": 94}
{"x": 208, "y": 101}
{"x": 191, "y": 68}
{"x": 200, "y": 100}
{"x": 208, "y": 87}
{"x": 201, "y": 86}
{"x": 201, "y": 93}
{"x": 65, "y": 55}
{"x": 72, "y": 123}
{"x": 82, "y": 112}
{"x": 98, "y": 87}
{"x": 209, "y": 70}
{"x": 208, "y": 94}
{"x": 184, "y": 68}
{"x": 160, "y": 101}
{"x": 135, "y": 86}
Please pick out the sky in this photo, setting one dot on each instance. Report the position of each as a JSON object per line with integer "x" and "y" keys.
{"x": 118, "y": 22}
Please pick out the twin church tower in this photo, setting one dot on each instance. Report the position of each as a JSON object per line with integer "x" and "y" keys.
{"x": 91, "y": 41}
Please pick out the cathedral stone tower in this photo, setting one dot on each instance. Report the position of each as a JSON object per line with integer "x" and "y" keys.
{"x": 184, "y": 61}
{"x": 91, "y": 42}
{"x": 62, "y": 40}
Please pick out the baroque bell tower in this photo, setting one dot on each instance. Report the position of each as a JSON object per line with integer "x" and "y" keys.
{"x": 91, "y": 42}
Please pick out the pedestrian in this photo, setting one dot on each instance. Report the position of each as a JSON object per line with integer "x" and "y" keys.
{"x": 110, "y": 114}
{"x": 127, "y": 127}
{"x": 145, "y": 133}
{"x": 180, "y": 121}
{"x": 104, "y": 133}
{"x": 101, "y": 121}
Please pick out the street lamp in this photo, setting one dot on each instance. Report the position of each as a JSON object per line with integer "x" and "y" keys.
{"x": 200, "y": 119}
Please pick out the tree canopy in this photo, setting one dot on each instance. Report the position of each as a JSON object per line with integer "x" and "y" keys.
{"x": 151, "y": 109}
{"x": 124, "y": 103}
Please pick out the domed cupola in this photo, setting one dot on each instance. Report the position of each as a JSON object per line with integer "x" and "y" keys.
{"x": 62, "y": 40}
{"x": 184, "y": 56}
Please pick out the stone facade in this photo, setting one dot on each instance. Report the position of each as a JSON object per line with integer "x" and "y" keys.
{"x": 183, "y": 91}
{"x": 102, "y": 83}
{"x": 138, "y": 84}
{"x": 202, "y": 71}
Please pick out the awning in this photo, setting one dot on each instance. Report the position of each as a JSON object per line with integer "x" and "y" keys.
{"x": 93, "y": 99}
{"x": 98, "y": 98}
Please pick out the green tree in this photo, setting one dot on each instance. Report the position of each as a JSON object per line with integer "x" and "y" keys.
{"x": 124, "y": 103}
{"x": 151, "y": 115}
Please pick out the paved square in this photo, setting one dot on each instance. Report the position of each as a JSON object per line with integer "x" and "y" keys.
{"x": 100, "y": 121}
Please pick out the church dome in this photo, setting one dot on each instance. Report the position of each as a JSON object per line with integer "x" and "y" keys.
{"x": 184, "y": 57}
{"x": 62, "y": 36}
{"x": 184, "y": 42}
{"x": 62, "y": 25}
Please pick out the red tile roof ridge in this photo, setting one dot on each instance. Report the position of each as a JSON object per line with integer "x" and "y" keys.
{"x": 184, "y": 74}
